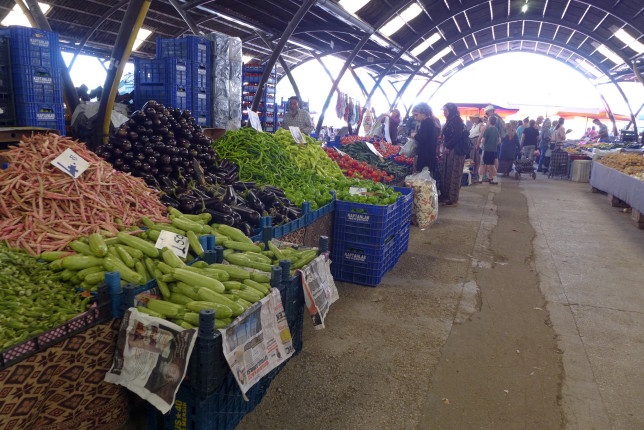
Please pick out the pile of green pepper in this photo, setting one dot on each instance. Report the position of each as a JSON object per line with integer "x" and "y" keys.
{"x": 32, "y": 299}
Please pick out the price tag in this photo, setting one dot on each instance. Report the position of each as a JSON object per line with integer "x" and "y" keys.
{"x": 297, "y": 135}
{"x": 177, "y": 243}
{"x": 70, "y": 163}
{"x": 254, "y": 120}
{"x": 340, "y": 152}
{"x": 373, "y": 149}
{"x": 357, "y": 191}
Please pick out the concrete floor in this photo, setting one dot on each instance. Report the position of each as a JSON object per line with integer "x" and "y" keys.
{"x": 589, "y": 258}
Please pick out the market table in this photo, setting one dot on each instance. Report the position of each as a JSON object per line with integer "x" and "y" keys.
{"x": 620, "y": 185}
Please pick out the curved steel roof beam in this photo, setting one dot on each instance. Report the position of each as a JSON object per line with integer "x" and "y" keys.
{"x": 527, "y": 39}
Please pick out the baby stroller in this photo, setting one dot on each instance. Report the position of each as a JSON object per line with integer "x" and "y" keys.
{"x": 524, "y": 166}
{"x": 558, "y": 163}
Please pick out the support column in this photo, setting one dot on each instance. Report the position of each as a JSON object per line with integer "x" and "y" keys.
{"x": 278, "y": 49}
{"x": 184, "y": 14}
{"x": 69, "y": 90}
{"x": 287, "y": 69}
{"x": 132, "y": 21}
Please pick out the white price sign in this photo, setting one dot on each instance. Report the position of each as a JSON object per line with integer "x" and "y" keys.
{"x": 357, "y": 191}
{"x": 254, "y": 120}
{"x": 297, "y": 135}
{"x": 373, "y": 149}
{"x": 173, "y": 241}
{"x": 340, "y": 152}
{"x": 70, "y": 163}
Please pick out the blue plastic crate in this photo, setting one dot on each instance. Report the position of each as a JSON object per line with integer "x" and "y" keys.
{"x": 364, "y": 224}
{"x": 222, "y": 410}
{"x": 312, "y": 216}
{"x": 45, "y": 115}
{"x": 37, "y": 84}
{"x": 33, "y": 47}
{"x": 289, "y": 227}
{"x": 361, "y": 264}
{"x": 167, "y": 71}
{"x": 201, "y": 106}
{"x": 200, "y": 75}
{"x": 171, "y": 96}
{"x": 188, "y": 48}
{"x": 402, "y": 241}
{"x": 405, "y": 203}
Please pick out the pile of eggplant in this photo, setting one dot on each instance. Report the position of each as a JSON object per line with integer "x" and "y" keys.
{"x": 159, "y": 142}
{"x": 238, "y": 204}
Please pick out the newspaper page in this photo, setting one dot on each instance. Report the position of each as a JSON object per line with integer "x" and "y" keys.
{"x": 257, "y": 341}
{"x": 151, "y": 358}
{"x": 319, "y": 288}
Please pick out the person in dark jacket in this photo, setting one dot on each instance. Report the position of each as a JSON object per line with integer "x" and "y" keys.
{"x": 452, "y": 163}
{"x": 426, "y": 137}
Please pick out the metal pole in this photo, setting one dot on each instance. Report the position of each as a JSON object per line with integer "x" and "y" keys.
{"x": 346, "y": 65}
{"x": 69, "y": 90}
{"x": 91, "y": 31}
{"x": 287, "y": 70}
{"x": 326, "y": 69}
{"x": 25, "y": 11}
{"x": 358, "y": 81}
{"x": 278, "y": 50}
{"x": 610, "y": 112}
{"x": 132, "y": 21}
{"x": 184, "y": 14}
{"x": 636, "y": 114}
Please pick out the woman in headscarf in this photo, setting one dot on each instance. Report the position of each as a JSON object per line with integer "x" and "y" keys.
{"x": 452, "y": 163}
{"x": 426, "y": 137}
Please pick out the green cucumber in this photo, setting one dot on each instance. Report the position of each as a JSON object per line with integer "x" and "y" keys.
{"x": 198, "y": 280}
{"x": 236, "y": 273}
{"x": 79, "y": 262}
{"x": 210, "y": 296}
{"x": 80, "y": 247}
{"x": 257, "y": 286}
{"x": 221, "y": 311}
{"x": 142, "y": 245}
{"x": 241, "y": 246}
{"x": 171, "y": 259}
{"x": 234, "y": 234}
{"x": 97, "y": 245}
{"x": 195, "y": 245}
{"x": 125, "y": 257}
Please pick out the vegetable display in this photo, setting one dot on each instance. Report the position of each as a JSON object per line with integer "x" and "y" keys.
{"x": 264, "y": 159}
{"x": 360, "y": 152}
{"x": 33, "y": 298}
{"x": 355, "y": 169}
{"x": 159, "y": 142}
{"x": 44, "y": 209}
{"x": 630, "y": 164}
{"x": 368, "y": 192}
{"x": 402, "y": 159}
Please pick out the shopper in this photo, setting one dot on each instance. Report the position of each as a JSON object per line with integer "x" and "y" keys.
{"x": 394, "y": 122}
{"x": 426, "y": 138}
{"x": 529, "y": 140}
{"x": 603, "y": 131}
{"x": 475, "y": 137}
{"x": 490, "y": 142}
{"x": 544, "y": 144}
{"x": 296, "y": 117}
{"x": 509, "y": 149}
{"x": 539, "y": 122}
{"x": 490, "y": 111}
{"x": 560, "y": 134}
{"x": 525, "y": 124}
{"x": 452, "y": 163}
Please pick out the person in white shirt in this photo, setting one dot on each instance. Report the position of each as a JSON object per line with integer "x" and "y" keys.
{"x": 475, "y": 136}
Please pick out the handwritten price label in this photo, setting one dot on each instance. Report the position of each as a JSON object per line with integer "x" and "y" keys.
{"x": 297, "y": 135}
{"x": 70, "y": 163}
{"x": 175, "y": 242}
{"x": 254, "y": 120}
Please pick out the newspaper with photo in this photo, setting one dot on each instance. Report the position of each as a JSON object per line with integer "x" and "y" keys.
{"x": 151, "y": 358}
{"x": 257, "y": 341}
{"x": 319, "y": 288}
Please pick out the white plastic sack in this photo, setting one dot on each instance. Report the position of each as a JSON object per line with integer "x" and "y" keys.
{"x": 410, "y": 149}
{"x": 425, "y": 205}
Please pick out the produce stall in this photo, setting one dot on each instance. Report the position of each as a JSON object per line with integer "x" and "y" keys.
{"x": 622, "y": 176}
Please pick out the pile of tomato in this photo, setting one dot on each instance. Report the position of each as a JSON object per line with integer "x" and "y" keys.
{"x": 346, "y": 140}
{"x": 355, "y": 169}
{"x": 404, "y": 160}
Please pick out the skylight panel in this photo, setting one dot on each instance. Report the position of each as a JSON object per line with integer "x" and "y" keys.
{"x": 438, "y": 56}
{"x": 352, "y": 6}
{"x": 396, "y": 23}
{"x": 140, "y": 38}
{"x": 425, "y": 44}
{"x": 609, "y": 54}
{"x": 16, "y": 17}
{"x": 630, "y": 41}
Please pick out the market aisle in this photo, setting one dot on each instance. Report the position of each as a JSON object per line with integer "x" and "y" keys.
{"x": 370, "y": 368}
{"x": 589, "y": 257}
{"x": 500, "y": 369}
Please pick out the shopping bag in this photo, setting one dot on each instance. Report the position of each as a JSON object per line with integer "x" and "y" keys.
{"x": 425, "y": 204}
{"x": 410, "y": 148}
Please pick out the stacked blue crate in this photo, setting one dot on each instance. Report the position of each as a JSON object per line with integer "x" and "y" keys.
{"x": 364, "y": 242}
{"x": 165, "y": 80}
{"x": 251, "y": 75}
{"x": 405, "y": 203}
{"x": 7, "y": 109}
{"x": 37, "y": 82}
{"x": 195, "y": 51}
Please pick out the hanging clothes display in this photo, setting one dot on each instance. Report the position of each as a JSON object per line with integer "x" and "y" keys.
{"x": 338, "y": 105}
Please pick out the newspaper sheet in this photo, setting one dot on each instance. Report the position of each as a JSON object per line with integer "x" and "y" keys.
{"x": 257, "y": 341}
{"x": 151, "y": 358}
{"x": 319, "y": 289}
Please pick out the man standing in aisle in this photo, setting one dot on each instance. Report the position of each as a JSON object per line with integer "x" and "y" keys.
{"x": 296, "y": 117}
{"x": 603, "y": 131}
{"x": 499, "y": 123}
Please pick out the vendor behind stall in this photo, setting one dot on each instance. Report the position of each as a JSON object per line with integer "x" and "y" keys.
{"x": 296, "y": 117}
